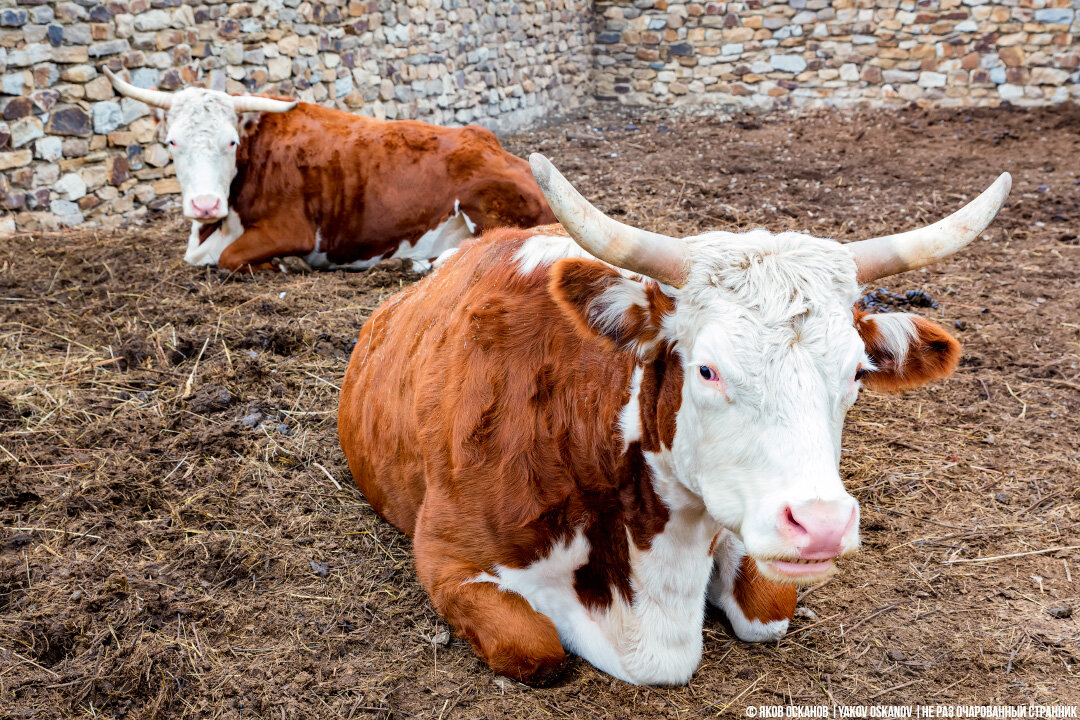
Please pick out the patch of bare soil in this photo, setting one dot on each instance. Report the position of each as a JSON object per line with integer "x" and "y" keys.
{"x": 180, "y": 537}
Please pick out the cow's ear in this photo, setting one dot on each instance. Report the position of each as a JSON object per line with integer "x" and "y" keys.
{"x": 907, "y": 351}
{"x": 627, "y": 311}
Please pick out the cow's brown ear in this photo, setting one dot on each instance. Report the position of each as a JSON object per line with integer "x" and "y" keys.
{"x": 627, "y": 311}
{"x": 907, "y": 350}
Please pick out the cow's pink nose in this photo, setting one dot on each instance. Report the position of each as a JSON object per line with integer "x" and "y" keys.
{"x": 205, "y": 205}
{"x": 817, "y": 528}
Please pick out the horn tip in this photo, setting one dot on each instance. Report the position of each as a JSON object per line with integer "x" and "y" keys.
{"x": 1006, "y": 182}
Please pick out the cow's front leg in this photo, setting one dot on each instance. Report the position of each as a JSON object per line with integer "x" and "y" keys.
{"x": 759, "y": 610}
{"x": 504, "y": 630}
{"x": 264, "y": 242}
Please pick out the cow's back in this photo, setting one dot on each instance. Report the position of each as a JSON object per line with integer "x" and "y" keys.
{"x": 367, "y": 185}
{"x": 473, "y": 385}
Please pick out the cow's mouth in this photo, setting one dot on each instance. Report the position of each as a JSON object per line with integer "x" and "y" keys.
{"x": 797, "y": 572}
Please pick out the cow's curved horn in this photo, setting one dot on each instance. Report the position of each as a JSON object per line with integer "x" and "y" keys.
{"x": 657, "y": 256}
{"x": 156, "y": 98}
{"x": 891, "y": 254}
{"x": 252, "y": 103}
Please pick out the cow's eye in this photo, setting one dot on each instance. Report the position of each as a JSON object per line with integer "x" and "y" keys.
{"x": 232, "y": 143}
{"x": 172, "y": 143}
{"x": 860, "y": 374}
{"x": 708, "y": 374}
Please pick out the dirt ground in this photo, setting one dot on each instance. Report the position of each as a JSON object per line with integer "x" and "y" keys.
{"x": 180, "y": 538}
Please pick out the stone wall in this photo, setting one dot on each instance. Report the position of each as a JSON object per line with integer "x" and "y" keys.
{"x": 72, "y": 152}
{"x": 838, "y": 52}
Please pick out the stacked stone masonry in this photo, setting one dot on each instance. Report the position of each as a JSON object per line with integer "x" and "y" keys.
{"x": 72, "y": 152}
{"x": 763, "y": 53}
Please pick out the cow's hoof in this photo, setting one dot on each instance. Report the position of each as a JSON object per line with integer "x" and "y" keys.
{"x": 547, "y": 675}
{"x": 757, "y": 631}
{"x": 537, "y": 672}
{"x": 294, "y": 265}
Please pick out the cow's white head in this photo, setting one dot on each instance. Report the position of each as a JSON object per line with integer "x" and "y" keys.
{"x": 772, "y": 354}
{"x": 203, "y": 138}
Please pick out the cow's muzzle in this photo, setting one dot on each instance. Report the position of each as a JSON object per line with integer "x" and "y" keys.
{"x": 206, "y": 208}
{"x": 818, "y": 532}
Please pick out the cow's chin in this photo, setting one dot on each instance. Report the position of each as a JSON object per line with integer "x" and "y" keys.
{"x": 801, "y": 572}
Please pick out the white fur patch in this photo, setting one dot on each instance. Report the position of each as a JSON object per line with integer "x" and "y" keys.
{"x": 443, "y": 257}
{"x": 544, "y": 250}
{"x": 433, "y": 244}
{"x": 897, "y": 332}
{"x": 608, "y": 308}
{"x": 548, "y": 585}
{"x": 630, "y": 415}
{"x": 208, "y": 252}
{"x": 654, "y": 640}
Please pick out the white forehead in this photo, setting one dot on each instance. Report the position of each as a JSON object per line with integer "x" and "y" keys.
{"x": 773, "y": 276}
{"x": 203, "y": 111}
{"x": 769, "y": 303}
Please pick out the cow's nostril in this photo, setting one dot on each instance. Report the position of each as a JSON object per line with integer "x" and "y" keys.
{"x": 791, "y": 522}
{"x": 817, "y": 528}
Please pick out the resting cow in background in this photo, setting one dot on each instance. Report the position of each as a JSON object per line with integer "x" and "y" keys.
{"x": 591, "y": 430}
{"x": 265, "y": 178}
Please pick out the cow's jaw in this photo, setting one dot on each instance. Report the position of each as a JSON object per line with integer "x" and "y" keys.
{"x": 203, "y": 138}
{"x": 781, "y": 492}
{"x": 794, "y": 520}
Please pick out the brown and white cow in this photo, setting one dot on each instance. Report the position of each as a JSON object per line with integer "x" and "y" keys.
{"x": 265, "y": 178}
{"x": 591, "y": 430}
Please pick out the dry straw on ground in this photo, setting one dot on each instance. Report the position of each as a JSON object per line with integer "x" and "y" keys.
{"x": 179, "y": 535}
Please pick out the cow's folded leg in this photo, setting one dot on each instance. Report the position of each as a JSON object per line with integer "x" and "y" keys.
{"x": 256, "y": 247}
{"x": 253, "y": 269}
{"x": 503, "y": 629}
{"x": 758, "y": 609}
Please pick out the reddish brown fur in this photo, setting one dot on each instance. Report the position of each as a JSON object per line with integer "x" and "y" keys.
{"x": 480, "y": 414}
{"x": 367, "y": 185}
{"x": 492, "y": 432}
{"x": 762, "y": 599}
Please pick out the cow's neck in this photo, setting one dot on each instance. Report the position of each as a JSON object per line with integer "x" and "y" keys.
{"x": 674, "y": 570}
{"x": 670, "y": 580}
{"x": 678, "y": 561}
{"x": 251, "y": 165}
